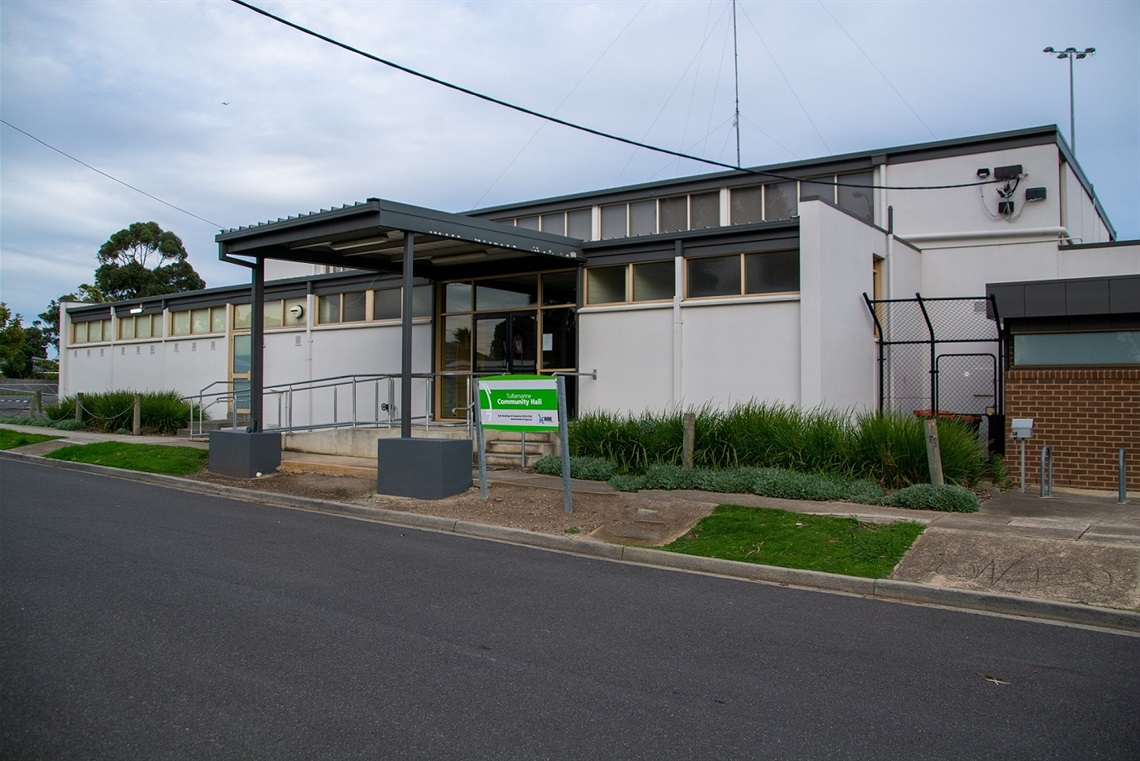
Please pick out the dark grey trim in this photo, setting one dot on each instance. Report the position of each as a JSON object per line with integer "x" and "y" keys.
{"x": 1073, "y": 298}
{"x": 103, "y": 313}
{"x": 335, "y": 282}
{"x": 1106, "y": 244}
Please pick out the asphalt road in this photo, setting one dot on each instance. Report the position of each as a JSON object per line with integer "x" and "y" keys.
{"x": 144, "y": 622}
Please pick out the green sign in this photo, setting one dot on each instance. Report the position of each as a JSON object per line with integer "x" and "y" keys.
{"x": 519, "y": 402}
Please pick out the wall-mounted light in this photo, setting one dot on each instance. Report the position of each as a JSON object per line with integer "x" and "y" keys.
{"x": 136, "y": 310}
{"x": 1011, "y": 172}
{"x": 1034, "y": 194}
{"x": 983, "y": 173}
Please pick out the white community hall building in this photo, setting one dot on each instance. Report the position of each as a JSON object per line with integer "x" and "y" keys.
{"x": 852, "y": 282}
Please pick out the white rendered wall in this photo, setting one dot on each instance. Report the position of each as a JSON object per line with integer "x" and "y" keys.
{"x": 962, "y": 271}
{"x": 335, "y": 351}
{"x": 632, "y": 350}
{"x": 1080, "y": 215}
{"x": 837, "y": 338}
{"x": 731, "y": 351}
{"x": 957, "y": 210}
{"x": 190, "y": 364}
{"x": 1099, "y": 262}
{"x": 89, "y": 369}
{"x": 737, "y": 352}
{"x": 903, "y": 276}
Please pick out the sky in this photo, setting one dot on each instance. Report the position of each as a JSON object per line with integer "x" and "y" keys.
{"x": 225, "y": 118}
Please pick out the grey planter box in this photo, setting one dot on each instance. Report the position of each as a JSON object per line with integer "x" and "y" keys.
{"x": 423, "y": 468}
{"x": 244, "y": 455}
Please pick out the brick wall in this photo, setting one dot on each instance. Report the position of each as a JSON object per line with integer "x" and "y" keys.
{"x": 1086, "y": 415}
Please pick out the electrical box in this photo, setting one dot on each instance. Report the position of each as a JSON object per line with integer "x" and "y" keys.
{"x": 1005, "y": 208}
{"x": 1022, "y": 427}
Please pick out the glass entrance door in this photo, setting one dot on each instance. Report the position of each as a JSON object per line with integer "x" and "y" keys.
{"x": 506, "y": 343}
{"x": 519, "y": 324}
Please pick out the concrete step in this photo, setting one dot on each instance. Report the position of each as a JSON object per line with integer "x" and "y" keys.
{"x": 503, "y": 460}
{"x": 514, "y": 447}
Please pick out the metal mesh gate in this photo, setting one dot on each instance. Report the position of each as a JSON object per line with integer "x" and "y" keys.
{"x": 938, "y": 355}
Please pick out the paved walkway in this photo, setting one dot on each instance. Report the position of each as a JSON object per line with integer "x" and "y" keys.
{"x": 1073, "y": 548}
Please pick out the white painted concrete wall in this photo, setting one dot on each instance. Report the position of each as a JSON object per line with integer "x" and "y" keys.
{"x": 737, "y": 352}
{"x": 632, "y": 350}
{"x": 1080, "y": 215}
{"x": 837, "y": 339}
{"x": 957, "y": 210}
{"x": 1098, "y": 262}
{"x": 732, "y": 350}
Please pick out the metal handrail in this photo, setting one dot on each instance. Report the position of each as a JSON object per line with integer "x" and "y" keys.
{"x": 384, "y": 412}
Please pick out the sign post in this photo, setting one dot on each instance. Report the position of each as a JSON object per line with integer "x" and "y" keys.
{"x": 524, "y": 403}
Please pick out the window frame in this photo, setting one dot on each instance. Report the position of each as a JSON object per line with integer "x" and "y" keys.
{"x": 742, "y": 291}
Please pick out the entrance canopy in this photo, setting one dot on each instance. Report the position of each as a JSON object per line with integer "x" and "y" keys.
{"x": 382, "y": 236}
{"x": 371, "y": 236}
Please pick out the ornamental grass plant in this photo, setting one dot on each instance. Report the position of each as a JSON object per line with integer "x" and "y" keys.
{"x": 884, "y": 447}
{"x": 163, "y": 412}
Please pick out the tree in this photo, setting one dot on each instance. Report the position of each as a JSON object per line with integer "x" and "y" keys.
{"x": 20, "y": 346}
{"x": 49, "y": 318}
{"x": 124, "y": 272}
{"x": 144, "y": 260}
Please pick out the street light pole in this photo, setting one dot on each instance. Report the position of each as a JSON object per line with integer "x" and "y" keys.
{"x": 1071, "y": 53}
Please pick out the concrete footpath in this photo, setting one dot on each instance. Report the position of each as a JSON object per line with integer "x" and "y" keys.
{"x": 1073, "y": 557}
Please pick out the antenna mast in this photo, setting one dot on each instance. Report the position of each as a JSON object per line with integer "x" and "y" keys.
{"x": 736, "y": 69}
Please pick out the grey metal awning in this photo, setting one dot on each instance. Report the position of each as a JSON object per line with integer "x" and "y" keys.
{"x": 370, "y": 235}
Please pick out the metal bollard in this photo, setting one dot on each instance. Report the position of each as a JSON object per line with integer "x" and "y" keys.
{"x": 1122, "y": 478}
{"x": 1046, "y": 460}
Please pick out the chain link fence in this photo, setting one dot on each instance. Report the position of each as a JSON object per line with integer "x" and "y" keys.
{"x": 938, "y": 355}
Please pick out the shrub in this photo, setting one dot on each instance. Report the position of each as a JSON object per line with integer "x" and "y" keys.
{"x": 627, "y": 482}
{"x": 948, "y": 498}
{"x": 14, "y": 420}
{"x": 160, "y": 411}
{"x": 585, "y": 468}
{"x": 669, "y": 477}
{"x": 789, "y": 484}
{"x": 727, "y": 481}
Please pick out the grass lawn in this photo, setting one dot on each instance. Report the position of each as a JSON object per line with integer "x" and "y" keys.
{"x": 148, "y": 458}
{"x": 10, "y": 439}
{"x": 795, "y": 540}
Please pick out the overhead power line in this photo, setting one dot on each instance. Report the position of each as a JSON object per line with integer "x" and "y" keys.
{"x": 573, "y": 125}
{"x": 108, "y": 176}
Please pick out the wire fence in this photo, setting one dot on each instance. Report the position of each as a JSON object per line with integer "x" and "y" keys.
{"x": 938, "y": 355}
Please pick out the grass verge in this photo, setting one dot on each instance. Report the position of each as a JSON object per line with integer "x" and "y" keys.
{"x": 148, "y": 458}
{"x": 10, "y": 439}
{"x": 827, "y": 543}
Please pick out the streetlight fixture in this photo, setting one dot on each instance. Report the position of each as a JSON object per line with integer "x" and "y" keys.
{"x": 1071, "y": 53}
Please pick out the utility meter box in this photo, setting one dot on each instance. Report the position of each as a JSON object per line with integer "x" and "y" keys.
{"x": 1022, "y": 427}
